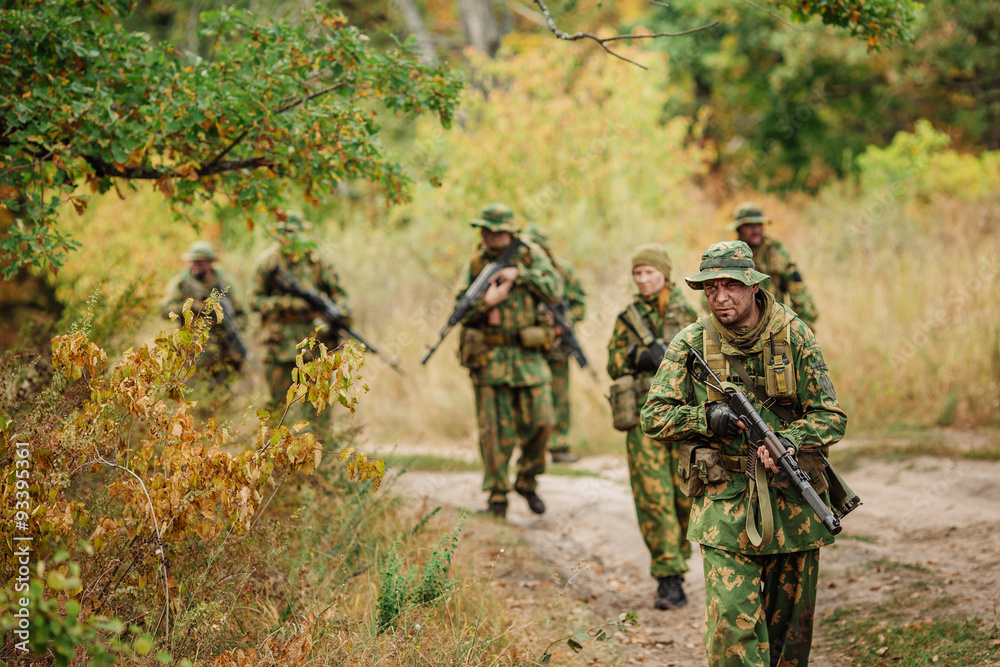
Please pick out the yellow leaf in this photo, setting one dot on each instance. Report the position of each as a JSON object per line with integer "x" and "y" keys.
{"x": 299, "y": 425}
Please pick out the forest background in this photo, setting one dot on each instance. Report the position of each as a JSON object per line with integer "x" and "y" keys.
{"x": 878, "y": 167}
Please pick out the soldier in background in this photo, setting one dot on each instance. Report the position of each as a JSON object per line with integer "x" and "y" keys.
{"x": 286, "y": 319}
{"x": 772, "y": 258}
{"x": 557, "y": 356}
{"x": 636, "y": 348}
{"x": 221, "y": 357}
{"x": 503, "y": 347}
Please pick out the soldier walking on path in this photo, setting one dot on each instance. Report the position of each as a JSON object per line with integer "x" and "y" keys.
{"x": 558, "y": 356}
{"x": 636, "y": 348}
{"x": 761, "y": 564}
{"x": 222, "y": 356}
{"x": 503, "y": 347}
{"x": 772, "y": 259}
{"x": 285, "y": 318}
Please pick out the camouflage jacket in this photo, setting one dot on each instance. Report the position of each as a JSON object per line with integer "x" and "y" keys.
{"x": 185, "y": 286}
{"x": 677, "y": 315}
{"x": 286, "y": 319}
{"x": 537, "y": 282}
{"x": 675, "y": 411}
{"x": 573, "y": 300}
{"x": 772, "y": 258}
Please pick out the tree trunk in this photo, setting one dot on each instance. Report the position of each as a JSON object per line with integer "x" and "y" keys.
{"x": 481, "y": 30}
{"x": 415, "y": 24}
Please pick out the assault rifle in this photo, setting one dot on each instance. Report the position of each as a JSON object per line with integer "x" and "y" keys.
{"x": 568, "y": 335}
{"x": 231, "y": 332}
{"x": 475, "y": 292}
{"x": 327, "y": 309}
{"x": 761, "y": 434}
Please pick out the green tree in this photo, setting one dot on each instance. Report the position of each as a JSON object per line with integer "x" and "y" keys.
{"x": 84, "y": 101}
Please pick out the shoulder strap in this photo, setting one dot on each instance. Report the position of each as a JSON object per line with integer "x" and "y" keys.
{"x": 633, "y": 320}
{"x": 769, "y": 403}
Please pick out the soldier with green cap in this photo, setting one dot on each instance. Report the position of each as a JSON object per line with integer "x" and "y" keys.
{"x": 220, "y": 358}
{"x": 574, "y": 308}
{"x": 657, "y": 312}
{"x": 759, "y": 539}
{"x": 503, "y": 347}
{"x": 286, "y": 319}
{"x": 769, "y": 254}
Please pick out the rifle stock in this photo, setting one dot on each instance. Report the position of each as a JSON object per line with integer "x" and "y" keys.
{"x": 475, "y": 292}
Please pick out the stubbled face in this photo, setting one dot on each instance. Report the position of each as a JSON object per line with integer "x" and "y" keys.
{"x": 201, "y": 268}
{"x": 732, "y": 302}
{"x": 648, "y": 280}
{"x": 751, "y": 233}
{"x": 496, "y": 240}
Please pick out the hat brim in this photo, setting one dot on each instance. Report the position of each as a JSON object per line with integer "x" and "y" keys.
{"x": 494, "y": 226}
{"x": 746, "y": 276}
{"x": 752, "y": 220}
{"x": 187, "y": 257}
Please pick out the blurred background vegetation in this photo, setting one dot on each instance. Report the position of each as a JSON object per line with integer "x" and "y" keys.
{"x": 877, "y": 168}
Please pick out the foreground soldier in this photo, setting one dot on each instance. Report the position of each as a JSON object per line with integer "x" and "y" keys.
{"x": 658, "y": 312}
{"x": 558, "y": 356}
{"x": 771, "y": 258}
{"x": 502, "y": 346}
{"x": 221, "y": 357}
{"x": 760, "y": 599}
{"x": 286, "y": 319}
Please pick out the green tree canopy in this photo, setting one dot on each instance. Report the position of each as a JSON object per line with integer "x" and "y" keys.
{"x": 84, "y": 101}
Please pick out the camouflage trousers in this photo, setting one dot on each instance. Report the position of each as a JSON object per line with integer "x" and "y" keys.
{"x": 560, "y": 405}
{"x": 759, "y": 609}
{"x": 278, "y": 375}
{"x": 508, "y": 417}
{"x": 662, "y": 510}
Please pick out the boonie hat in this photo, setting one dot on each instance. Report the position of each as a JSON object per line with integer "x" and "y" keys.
{"x": 496, "y": 218}
{"x": 199, "y": 250}
{"x": 748, "y": 213}
{"x": 728, "y": 259}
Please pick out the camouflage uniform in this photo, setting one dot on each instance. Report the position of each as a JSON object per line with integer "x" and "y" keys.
{"x": 286, "y": 319}
{"x": 512, "y": 382}
{"x": 218, "y": 359}
{"x": 760, "y": 601}
{"x": 661, "y": 509}
{"x": 772, "y": 258}
{"x": 558, "y": 357}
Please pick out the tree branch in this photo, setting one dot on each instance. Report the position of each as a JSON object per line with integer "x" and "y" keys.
{"x": 603, "y": 41}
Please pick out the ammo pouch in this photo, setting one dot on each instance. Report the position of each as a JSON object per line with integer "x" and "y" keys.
{"x": 624, "y": 411}
{"x": 699, "y": 465}
{"x": 472, "y": 349}
{"x": 536, "y": 337}
{"x": 814, "y": 465}
{"x": 627, "y": 396}
{"x": 779, "y": 373}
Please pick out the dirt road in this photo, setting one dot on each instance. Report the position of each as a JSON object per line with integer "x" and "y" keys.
{"x": 940, "y": 518}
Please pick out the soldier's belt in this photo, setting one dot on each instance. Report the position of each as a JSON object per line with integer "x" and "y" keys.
{"x": 502, "y": 338}
{"x": 734, "y": 463}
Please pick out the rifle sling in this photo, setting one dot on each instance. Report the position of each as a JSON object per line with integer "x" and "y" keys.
{"x": 768, "y": 403}
{"x": 633, "y": 320}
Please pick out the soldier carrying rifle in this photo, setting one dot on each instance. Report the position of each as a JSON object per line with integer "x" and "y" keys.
{"x": 227, "y": 349}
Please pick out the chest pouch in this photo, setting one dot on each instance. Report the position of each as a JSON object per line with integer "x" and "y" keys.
{"x": 699, "y": 466}
{"x": 779, "y": 373}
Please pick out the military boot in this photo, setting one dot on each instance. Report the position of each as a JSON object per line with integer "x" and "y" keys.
{"x": 670, "y": 593}
{"x": 497, "y": 508}
{"x": 535, "y": 503}
{"x": 563, "y": 456}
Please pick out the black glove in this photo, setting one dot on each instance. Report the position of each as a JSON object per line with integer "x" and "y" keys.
{"x": 643, "y": 359}
{"x": 786, "y": 443}
{"x": 723, "y": 420}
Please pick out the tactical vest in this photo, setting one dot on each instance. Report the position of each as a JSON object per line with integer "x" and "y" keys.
{"x": 779, "y": 372}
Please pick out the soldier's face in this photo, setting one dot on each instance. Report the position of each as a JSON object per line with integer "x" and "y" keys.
{"x": 751, "y": 233}
{"x": 496, "y": 240}
{"x": 648, "y": 280}
{"x": 732, "y": 302}
{"x": 200, "y": 268}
